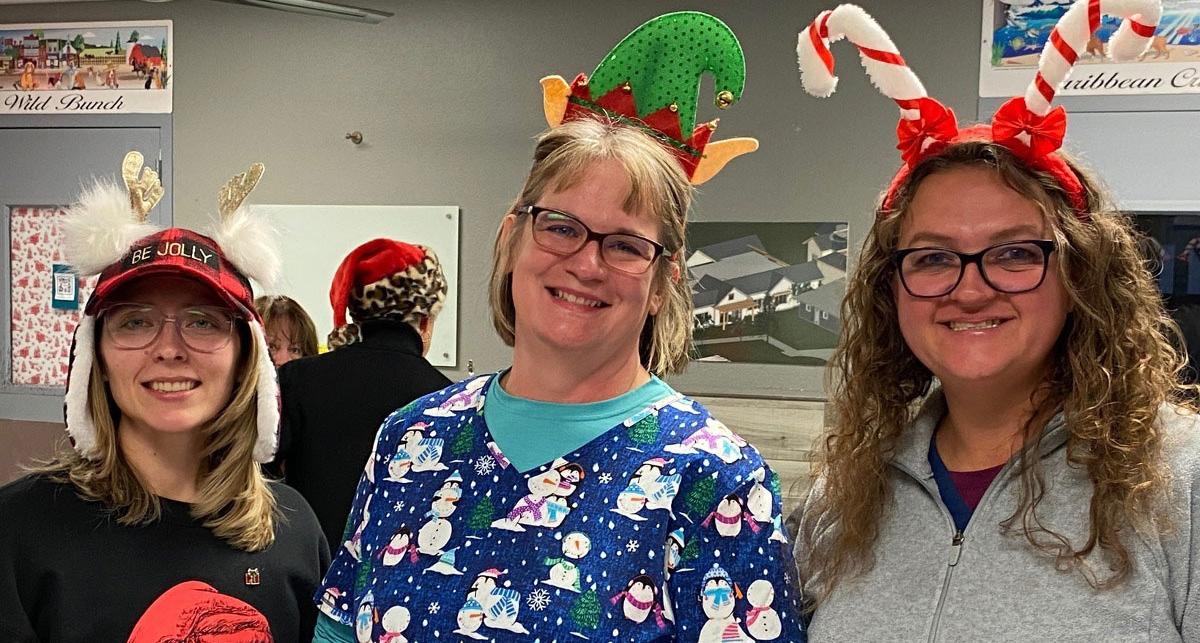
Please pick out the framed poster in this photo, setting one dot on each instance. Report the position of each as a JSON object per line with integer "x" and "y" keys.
{"x": 1016, "y": 31}
{"x": 766, "y": 293}
{"x": 86, "y": 68}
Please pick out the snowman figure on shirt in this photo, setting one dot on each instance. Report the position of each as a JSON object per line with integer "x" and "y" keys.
{"x": 564, "y": 572}
{"x": 434, "y": 534}
{"x": 762, "y": 621}
{"x": 394, "y": 622}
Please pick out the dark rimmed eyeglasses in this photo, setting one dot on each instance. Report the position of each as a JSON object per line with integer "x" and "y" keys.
{"x": 205, "y": 329}
{"x": 563, "y": 234}
{"x": 1011, "y": 267}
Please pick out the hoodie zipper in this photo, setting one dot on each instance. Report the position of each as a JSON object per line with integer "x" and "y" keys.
{"x": 956, "y": 540}
{"x": 955, "y": 553}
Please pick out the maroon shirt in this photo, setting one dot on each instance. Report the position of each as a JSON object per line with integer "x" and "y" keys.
{"x": 971, "y": 485}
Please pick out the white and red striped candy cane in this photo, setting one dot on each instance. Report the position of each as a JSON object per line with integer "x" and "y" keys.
{"x": 885, "y": 67}
{"x": 1070, "y": 36}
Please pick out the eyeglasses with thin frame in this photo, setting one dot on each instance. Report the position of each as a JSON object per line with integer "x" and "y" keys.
{"x": 1011, "y": 267}
{"x": 563, "y": 234}
{"x": 205, "y": 329}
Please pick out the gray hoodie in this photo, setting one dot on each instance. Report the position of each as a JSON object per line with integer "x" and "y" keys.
{"x": 928, "y": 585}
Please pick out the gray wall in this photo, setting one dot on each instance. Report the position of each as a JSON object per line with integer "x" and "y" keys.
{"x": 446, "y": 94}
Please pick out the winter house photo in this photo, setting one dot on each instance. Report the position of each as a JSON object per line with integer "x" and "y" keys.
{"x": 766, "y": 293}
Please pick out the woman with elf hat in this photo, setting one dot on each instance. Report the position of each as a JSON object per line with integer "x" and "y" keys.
{"x": 333, "y": 403}
{"x": 588, "y": 288}
{"x": 155, "y": 524}
{"x": 1042, "y": 488}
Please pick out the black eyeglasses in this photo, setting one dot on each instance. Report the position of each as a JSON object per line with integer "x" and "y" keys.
{"x": 1011, "y": 267}
{"x": 563, "y": 234}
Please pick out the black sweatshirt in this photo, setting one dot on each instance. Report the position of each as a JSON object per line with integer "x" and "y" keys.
{"x": 70, "y": 572}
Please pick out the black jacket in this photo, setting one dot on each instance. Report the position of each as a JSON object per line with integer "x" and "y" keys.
{"x": 333, "y": 405}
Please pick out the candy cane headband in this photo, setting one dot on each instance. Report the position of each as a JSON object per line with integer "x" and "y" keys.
{"x": 1026, "y": 125}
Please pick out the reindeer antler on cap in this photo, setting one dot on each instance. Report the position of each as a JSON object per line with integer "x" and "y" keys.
{"x": 107, "y": 233}
{"x": 1026, "y": 125}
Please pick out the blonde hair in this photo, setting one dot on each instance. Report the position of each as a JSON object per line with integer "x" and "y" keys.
{"x": 659, "y": 187}
{"x": 235, "y": 501}
{"x": 1112, "y": 368}
{"x": 278, "y": 310}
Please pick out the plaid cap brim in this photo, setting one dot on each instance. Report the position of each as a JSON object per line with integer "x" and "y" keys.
{"x": 180, "y": 252}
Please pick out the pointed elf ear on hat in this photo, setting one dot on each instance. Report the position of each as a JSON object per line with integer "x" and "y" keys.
{"x": 651, "y": 80}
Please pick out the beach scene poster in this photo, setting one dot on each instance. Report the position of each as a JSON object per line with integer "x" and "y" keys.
{"x": 1016, "y": 31}
{"x": 86, "y": 68}
{"x": 766, "y": 293}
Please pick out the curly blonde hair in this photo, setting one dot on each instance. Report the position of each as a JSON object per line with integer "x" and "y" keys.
{"x": 1112, "y": 367}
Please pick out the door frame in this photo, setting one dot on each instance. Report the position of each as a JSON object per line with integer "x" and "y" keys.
{"x": 45, "y": 404}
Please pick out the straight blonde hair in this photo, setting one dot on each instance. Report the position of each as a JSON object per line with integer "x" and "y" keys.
{"x": 235, "y": 501}
{"x": 659, "y": 188}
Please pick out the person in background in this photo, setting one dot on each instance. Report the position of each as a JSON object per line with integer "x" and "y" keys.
{"x": 155, "y": 523}
{"x": 576, "y": 493}
{"x": 290, "y": 331}
{"x": 333, "y": 403}
{"x": 1011, "y": 456}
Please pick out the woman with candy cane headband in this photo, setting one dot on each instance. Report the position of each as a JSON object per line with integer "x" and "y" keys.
{"x": 155, "y": 523}
{"x": 1041, "y": 488}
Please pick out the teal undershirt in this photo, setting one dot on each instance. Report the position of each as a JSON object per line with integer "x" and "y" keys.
{"x": 531, "y": 433}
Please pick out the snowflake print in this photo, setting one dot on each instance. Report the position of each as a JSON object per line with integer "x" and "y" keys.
{"x": 632, "y": 545}
{"x": 484, "y": 465}
{"x": 539, "y": 599}
{"x": 399, "y": 506}
{"x": 434, "y": 607}
{"x": 605, "y": 478}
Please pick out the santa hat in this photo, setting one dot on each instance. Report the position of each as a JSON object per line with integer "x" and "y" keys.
{"x": 383, "y": 278}
{"x": 1026, "y": 124}
{"x": 107, "y": 233}
{"x": 651, "y": 80}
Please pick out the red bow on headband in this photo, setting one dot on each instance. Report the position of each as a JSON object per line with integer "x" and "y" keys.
{"x": 937, "y": 122}
{"x": 1045, "y": 133}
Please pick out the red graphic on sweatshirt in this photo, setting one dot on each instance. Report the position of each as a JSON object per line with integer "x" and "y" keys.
{"x": 194, "y": 612}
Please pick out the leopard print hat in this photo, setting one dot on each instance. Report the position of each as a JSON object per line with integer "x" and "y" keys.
{"x": 384, "y": 279}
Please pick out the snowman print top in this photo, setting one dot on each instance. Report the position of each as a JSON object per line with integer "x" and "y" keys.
{"x": 665, "y": 527}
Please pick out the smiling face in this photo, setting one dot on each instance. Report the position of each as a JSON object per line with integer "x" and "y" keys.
{"x": 577, "y": 305}
{"x": 166, "y": 386}
{"x": 975, "y": 335}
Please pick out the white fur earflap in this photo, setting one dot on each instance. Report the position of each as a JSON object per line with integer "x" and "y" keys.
{"x": 250, "y": 242}
{"x": 80, "y": 425}
{"x": 101, "y": 227}
{"x": 268, "y": 399}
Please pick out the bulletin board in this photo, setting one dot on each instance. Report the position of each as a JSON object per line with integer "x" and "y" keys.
{"x": 315, "y": 238}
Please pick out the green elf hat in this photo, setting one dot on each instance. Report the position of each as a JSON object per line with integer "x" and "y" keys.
{"x": 651, "y": 80}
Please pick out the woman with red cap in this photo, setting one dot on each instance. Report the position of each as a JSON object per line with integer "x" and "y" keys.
{"x": 155, "y": 523}
{"x": 333, "y": 403}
